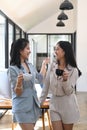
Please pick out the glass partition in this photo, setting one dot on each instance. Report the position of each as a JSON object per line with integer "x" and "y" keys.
{"x": 42, "y": 46}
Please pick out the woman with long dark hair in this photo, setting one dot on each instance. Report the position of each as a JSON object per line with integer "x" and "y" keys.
{"x": 22, "y": 76}
{"x": 61, "y": 79}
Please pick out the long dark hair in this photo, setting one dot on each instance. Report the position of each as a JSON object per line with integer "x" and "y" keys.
{"x": 69, "y": 54}
{"x": 16, "y": 46}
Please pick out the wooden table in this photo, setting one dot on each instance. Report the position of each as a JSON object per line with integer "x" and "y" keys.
{"x": 6, "y": 104}
{"x": 45, "y": 108}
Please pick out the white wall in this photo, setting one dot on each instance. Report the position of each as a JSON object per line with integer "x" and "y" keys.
{"x": 82, "y": 43}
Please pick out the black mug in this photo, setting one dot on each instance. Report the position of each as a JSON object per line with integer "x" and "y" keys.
{"x": 59, "y": 72}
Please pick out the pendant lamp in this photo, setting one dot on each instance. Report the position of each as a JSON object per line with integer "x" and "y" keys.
{"x": 62, "y": 16}
{"x": 60, "y": 23}
{"x": 66, "y": 5}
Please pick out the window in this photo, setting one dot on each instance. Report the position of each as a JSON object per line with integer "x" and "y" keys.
{"x": 17, "y": 33}
{"x": 9, "y": 31}
{"x": 23, "y": 34}
{"x": 10, "y": 37}
{"x": 2, "y": 41}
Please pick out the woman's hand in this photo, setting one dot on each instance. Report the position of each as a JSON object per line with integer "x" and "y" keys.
{"x": 65, "y": 75}
{"x": 19, "y": 87}
{"x": 46, "y": 61}
{"x": 19, "y": 80}
{"x": 44, "y": 67}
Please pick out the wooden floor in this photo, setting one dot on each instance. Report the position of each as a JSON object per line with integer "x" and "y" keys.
{"x": 5, "y": 122}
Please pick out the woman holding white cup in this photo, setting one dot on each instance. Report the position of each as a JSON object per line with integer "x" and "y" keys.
{"x": 22, "y": 75}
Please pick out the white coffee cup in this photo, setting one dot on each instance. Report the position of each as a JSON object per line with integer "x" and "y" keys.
{"x": 27, "y": 76}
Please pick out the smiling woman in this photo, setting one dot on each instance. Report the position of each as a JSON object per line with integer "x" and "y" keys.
{"x": 22, "y": 76}
{"x": 60, "y": 80}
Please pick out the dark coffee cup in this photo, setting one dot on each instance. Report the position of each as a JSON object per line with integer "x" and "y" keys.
{"x": 59, "y": 72}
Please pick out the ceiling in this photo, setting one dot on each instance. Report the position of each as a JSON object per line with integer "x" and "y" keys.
{"x": 29, "y": 13}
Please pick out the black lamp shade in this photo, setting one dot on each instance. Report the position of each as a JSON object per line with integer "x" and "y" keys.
{"x": 60, "y": 23}
{"x": 62, "y": 16}
{"x": 66, "y": 5}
